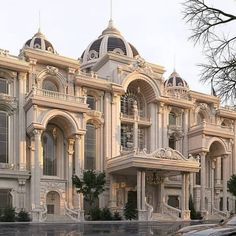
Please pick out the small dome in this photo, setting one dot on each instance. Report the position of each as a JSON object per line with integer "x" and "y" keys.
{"x": 110, "y": 40}
{"x": 39, "y": 41}
{"x": 175, "y": 81}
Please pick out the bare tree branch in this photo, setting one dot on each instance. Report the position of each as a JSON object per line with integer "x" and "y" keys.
{"x": 207, "y": 24}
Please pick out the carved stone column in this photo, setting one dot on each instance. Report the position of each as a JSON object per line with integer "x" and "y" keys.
{"x": 225, "y": 170}
{"x": 203, "y": 182}
{"x": 139, "y": 190}
{"x": 183, "y": 192}
{"x": 37, "y": 169}
{"x": 21, "y": 129}
{"x": 77, "y": 155}
{"x": 112, "y": 194}
{"x": 70, "y": 172}
{"x": 35, "y": 174}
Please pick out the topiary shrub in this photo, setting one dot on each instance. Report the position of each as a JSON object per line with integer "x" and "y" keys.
{"x": 8, "y": 215}
{"x": 95, "y": 213}
{"x": 117, "y": 216}
{"x": 23, "y": 216}
{"x": 106, "y": 214}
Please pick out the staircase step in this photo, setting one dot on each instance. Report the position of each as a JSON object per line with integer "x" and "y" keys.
{"x": 162, "y": 217}
{"x": 59, "y": 219}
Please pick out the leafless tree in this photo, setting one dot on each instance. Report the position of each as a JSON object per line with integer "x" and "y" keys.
{"x": 209, "y": 27}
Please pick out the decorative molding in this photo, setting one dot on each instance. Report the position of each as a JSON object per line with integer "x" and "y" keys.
{"x": 52, "y": 70}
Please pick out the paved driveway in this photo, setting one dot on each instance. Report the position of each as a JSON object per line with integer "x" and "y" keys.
{"x": 92, "y": 229}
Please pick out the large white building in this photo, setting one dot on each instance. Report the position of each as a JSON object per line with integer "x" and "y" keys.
{"x": 110, "y": 111}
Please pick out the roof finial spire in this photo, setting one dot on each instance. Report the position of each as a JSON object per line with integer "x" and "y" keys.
{"x": 174, "y": 61}
{"x": 39, "y": 30}
{"x": 111, "y": 20}
{"x": 111, "y": 9}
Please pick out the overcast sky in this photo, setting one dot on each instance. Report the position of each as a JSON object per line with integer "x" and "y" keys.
{"x": 154, "y": 27}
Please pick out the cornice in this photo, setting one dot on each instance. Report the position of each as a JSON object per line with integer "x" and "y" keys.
{"x": 52, "y": 59}
{"x": 13, "y": 63}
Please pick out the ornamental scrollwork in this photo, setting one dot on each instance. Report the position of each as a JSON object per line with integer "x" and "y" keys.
{"x": 52, "y": 70}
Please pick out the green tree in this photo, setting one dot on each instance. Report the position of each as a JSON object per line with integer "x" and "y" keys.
{"x": 91, "y": 185}
{"x": 213, "y": 27}
{"x": 232, "y": 185}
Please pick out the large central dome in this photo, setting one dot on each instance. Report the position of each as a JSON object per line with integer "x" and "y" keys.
{"x": 110, "y": 40}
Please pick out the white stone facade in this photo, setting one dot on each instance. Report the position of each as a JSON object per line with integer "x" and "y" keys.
{"x": 111, "y": 111}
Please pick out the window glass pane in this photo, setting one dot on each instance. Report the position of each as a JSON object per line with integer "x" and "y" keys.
{"x": 5, "y": 198}
{"x": 127, "y": 137}
{"x": 90, "y": 147}
{"x": 127, "y": 103}
{"x": 3, "y": 137}
{"x": 3, "y": 86}
{"x": 172, "y": 118}
{"x": 49, "y": 154}
{"x": 91, "y": 102}
{"x": 49, "y": 85}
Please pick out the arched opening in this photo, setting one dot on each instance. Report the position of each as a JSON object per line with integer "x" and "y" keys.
{"x": 49, "y": 84}
{"x": 53, "y": 203}
{"x": 53, "y": 147}
{"x": 200, "y": 117}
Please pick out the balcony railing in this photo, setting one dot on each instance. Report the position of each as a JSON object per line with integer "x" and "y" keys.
{"x": 54, "y": 95}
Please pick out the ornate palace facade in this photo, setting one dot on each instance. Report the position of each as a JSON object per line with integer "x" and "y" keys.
{"x": 157, "y": 141}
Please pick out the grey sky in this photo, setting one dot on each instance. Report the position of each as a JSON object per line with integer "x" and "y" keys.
{"x": 154, "y": 27}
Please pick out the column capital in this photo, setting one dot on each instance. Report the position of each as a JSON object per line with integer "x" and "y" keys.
{"x": 224, "y": 156}
{"x": 32, "y": 61}
{"x": 37, "y": 132}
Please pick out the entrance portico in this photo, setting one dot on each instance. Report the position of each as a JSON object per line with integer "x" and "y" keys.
{"x": 162, "y": 163}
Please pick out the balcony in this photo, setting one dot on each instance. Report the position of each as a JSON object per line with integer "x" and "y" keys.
{"x": 212, "y": 129}
{"x": 131, "y": 119}
{"x": 167, "y": 160}
{"x": 55, "y": 99}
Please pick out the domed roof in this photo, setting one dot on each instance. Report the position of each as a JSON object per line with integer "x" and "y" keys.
{"x": 110, "y": 40}
{"x": 175, "y": 81}
{"x": 39, "y": 41}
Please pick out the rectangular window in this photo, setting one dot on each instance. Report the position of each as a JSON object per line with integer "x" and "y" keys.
{"x": 127, "y": 139}
{"x": 3, "y": 137}
{"x": 3, "y": 86}
{"x": 141, "y": 138}
{"x": 5, "y": 198}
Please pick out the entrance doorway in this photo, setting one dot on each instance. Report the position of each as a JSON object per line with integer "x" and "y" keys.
{"x": 53, "y": 203}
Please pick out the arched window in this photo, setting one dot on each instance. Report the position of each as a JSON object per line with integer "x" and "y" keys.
{"x": 49, "y": 143}
{"x": 50, "y": 85}
{"x": 129, "y": 99}
{"x": 200, "y": 117}
{"x": 3, "y": 137}
{"x": 172, "y": 118}
{"x": 91, "y": 101}
{"x": 90, "y": 147}
{"x": 3, "y": 86}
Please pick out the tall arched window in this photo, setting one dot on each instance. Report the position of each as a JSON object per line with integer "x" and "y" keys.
{"x": 3, "y": 137}
{"x": 90, "y": 147}
{"x": 128, "y": 100}
{"x": 50, "y": 85}
{"x": 49, "y": 142}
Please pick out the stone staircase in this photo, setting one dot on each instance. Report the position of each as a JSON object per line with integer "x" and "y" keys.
{"x": 162, "y": 217}
{"x": 58, "y": 219}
